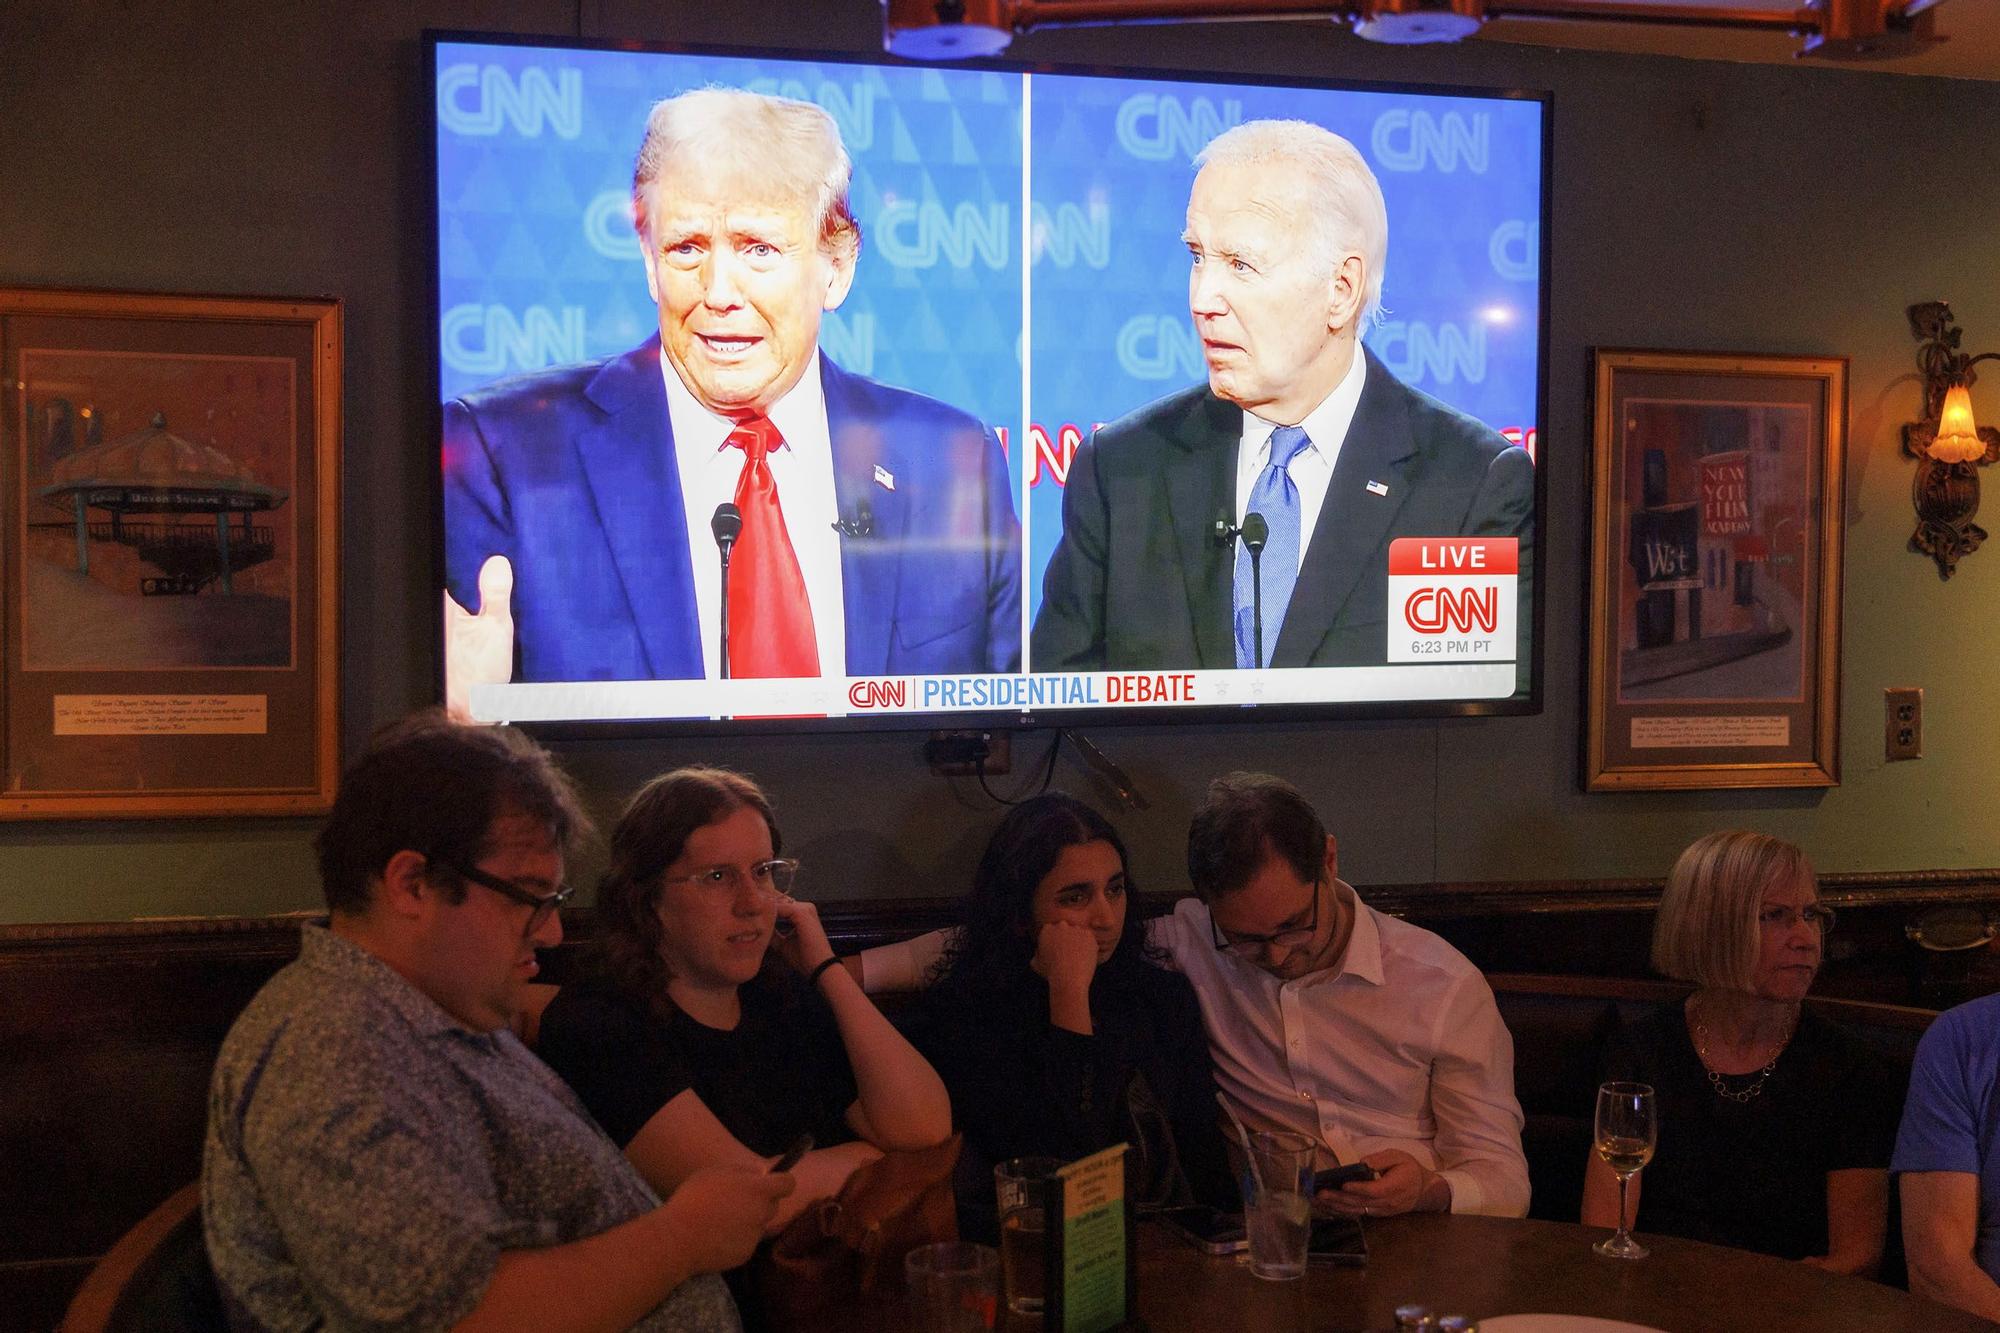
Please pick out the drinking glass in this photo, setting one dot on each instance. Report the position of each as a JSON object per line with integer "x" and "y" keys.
{"x": 954, "y": 1286}
{"x": 1022, "y": 1185}
{"x": 1628, "y": 1126}
{"x": 1278, "y": 1214}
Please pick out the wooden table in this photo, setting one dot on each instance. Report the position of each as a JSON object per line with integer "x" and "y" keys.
{"x": 1486, "y": 1266}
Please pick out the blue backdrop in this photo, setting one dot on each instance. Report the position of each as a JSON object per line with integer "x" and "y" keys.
{"x": 539, "y": 265}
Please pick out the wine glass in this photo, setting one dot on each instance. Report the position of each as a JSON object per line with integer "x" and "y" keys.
{"x": 1628, "y": 1125}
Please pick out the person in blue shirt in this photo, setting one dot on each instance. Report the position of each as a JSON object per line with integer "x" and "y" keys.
{"x": 1949, "y": 1173}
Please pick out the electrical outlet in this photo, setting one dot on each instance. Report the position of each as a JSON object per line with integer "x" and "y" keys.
{"x": 1902, "y": 723}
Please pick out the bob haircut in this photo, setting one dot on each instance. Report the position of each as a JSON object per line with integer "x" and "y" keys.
{"x": 650, "y": 836}
{"x": 1706, "y": 928}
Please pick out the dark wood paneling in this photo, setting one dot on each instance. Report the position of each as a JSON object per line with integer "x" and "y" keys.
{"x": 110, "y": 1029}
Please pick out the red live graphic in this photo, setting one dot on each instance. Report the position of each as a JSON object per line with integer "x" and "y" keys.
{"x": 1453, "y": 585}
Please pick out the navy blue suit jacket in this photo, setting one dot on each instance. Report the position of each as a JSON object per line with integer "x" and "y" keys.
{"x": 1139, "y": 581}
{"x": 570, "y": 474}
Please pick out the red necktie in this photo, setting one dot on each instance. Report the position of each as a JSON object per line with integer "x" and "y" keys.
{"x": 770, "y": 620}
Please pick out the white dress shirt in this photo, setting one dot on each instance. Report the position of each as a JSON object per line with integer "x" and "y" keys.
{"x": 1398, "y": 1045}
{"x": 1311, "y": 469}
{"x": 803, "y": 470}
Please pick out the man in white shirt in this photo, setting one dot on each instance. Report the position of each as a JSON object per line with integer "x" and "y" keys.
{"x": 877, "y": 530}
{"x": 1286, "y": 234}
{"x": 1372, "y": 1036}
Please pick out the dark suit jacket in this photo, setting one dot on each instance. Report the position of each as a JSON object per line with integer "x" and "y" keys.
{"x": 570, "y": 474}
{"x": 1139, "y": 581}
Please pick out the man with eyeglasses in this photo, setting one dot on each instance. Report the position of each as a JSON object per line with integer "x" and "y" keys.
{"x": 1368, "y": 1034}
{"x": 1324, "y": 1016}
{"x": 382, "y": 1151}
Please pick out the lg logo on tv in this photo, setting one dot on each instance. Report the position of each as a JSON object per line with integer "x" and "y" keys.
{"x": 1416, "y": 140}
{"x": 1159, "y": 127}
{"x": 479, "y": 101}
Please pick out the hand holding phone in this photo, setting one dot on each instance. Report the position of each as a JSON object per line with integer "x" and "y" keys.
{"x": 799, "y": 1148}
{"x": 1335, "y": 1176}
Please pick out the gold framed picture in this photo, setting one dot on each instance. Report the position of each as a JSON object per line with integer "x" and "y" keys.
{"x": 169, "y": 537}
{"x": 1716, "y": 525}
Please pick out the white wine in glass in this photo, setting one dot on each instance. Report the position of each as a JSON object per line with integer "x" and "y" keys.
{"x": 1627, "y": 1128}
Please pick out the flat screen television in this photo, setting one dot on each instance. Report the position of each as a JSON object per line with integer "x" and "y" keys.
{"x": 990, "y": 439}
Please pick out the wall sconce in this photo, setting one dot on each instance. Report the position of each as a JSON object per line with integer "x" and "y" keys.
{"x": 1948, "y": 446}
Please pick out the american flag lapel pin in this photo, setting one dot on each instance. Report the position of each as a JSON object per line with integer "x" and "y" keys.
{"x": 1377, "y": 488}
{"x": 885, "y": 478}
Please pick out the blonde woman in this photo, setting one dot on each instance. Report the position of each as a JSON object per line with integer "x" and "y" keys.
{"x": 1775, "y": 1124}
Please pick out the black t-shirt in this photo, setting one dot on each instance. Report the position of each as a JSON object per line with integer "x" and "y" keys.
{"x": 781, "y": 1072}
{"x": 1753, "y": 1174}
{"x": 1022, "y": 1087}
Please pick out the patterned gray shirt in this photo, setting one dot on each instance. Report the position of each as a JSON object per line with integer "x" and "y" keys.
{"x": 369, "y": 1157}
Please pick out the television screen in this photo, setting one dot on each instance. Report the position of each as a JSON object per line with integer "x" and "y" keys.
{"x": 782, "y": 388}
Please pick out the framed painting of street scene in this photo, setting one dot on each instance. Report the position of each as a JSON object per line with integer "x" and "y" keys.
{"x": 1716, "y": 522}
{"x": 169, "y": 491}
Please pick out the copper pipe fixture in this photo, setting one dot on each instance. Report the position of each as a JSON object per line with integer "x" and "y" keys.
{"x": 1847, "y": 29}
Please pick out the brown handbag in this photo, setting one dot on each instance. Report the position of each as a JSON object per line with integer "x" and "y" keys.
{"x": 851, "y": 1246}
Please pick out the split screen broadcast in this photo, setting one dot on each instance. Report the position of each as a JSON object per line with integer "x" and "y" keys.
{"x": 806, "y": 388}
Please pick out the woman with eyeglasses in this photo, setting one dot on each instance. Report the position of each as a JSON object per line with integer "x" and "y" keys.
{"x": 1056, "y": 1029}
{"x": 1775, "y": 1125}
{"x": 717, "y": 1026}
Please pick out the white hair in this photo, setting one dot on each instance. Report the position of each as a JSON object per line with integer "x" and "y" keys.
{"x": 790, "y": 146}
{"x": 1346, "y": 213}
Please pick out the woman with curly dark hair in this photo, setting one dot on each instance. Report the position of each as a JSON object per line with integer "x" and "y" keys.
{"x": 718, "y": 1026}
{"x": 1055, "y": 1027}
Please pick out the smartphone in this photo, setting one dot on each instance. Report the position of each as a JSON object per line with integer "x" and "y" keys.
{"x": 1209, "y": 1230}
{"x": 1337, "y": 1240}
{"x": 800, "y": 1147}
{"x": 1335, "y": 1176}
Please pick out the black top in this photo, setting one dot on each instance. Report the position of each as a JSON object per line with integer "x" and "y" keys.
{"x": 1021, "y": 1087}
{"x": 1753, "y": 1174}
{"x": 782, "y": 1071}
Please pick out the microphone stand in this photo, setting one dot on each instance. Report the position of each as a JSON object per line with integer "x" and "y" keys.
{"x": 726, "y": 525}
{"x": 1256, "y": 532}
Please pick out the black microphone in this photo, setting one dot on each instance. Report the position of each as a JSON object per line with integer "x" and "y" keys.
{"x": 727, "y": 525}
{"x": 1222, "y": 530}
{"x": 1256, "y": 532}
{"x": 862, "y": 524}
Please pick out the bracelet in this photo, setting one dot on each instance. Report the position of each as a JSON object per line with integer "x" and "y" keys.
{"x": 820, "y": 971}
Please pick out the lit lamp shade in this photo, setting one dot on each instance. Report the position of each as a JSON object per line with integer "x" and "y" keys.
{"x": 1957, "y": 439}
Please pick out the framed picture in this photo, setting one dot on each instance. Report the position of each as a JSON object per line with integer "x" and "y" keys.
{"x": 169, "y": 537}
{"x": 1717, "y": 485}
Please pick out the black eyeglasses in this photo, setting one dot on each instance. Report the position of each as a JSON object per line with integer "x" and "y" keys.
{"x": 545, "y": 904}
{"x": 1248, "y": 947}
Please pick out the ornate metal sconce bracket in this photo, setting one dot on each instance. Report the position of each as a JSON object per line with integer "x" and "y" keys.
{"x": 1945, "y": 492}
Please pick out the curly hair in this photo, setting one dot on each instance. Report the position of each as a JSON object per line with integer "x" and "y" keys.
{"x": 650, "y": 836}
{"x": 995, "y": 942}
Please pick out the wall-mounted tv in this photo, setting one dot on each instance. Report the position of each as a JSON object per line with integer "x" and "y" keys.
{"x": 889, "y": 394}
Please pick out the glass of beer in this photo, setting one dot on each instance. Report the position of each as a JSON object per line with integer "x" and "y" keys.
{"x": 1627, "y": 1128}
{"x": 1023, "y": 1187}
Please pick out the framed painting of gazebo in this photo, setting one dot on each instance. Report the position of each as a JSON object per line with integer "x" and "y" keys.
{"x": 169, "y": 538}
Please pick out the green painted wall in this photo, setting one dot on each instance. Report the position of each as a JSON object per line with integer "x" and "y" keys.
{"x": 278, "y": 148}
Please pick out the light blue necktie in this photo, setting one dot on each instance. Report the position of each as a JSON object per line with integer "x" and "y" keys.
{"x": 1277, "y": 499}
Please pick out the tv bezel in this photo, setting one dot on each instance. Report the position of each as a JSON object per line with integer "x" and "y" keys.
{"x": 1201, "y": 714}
